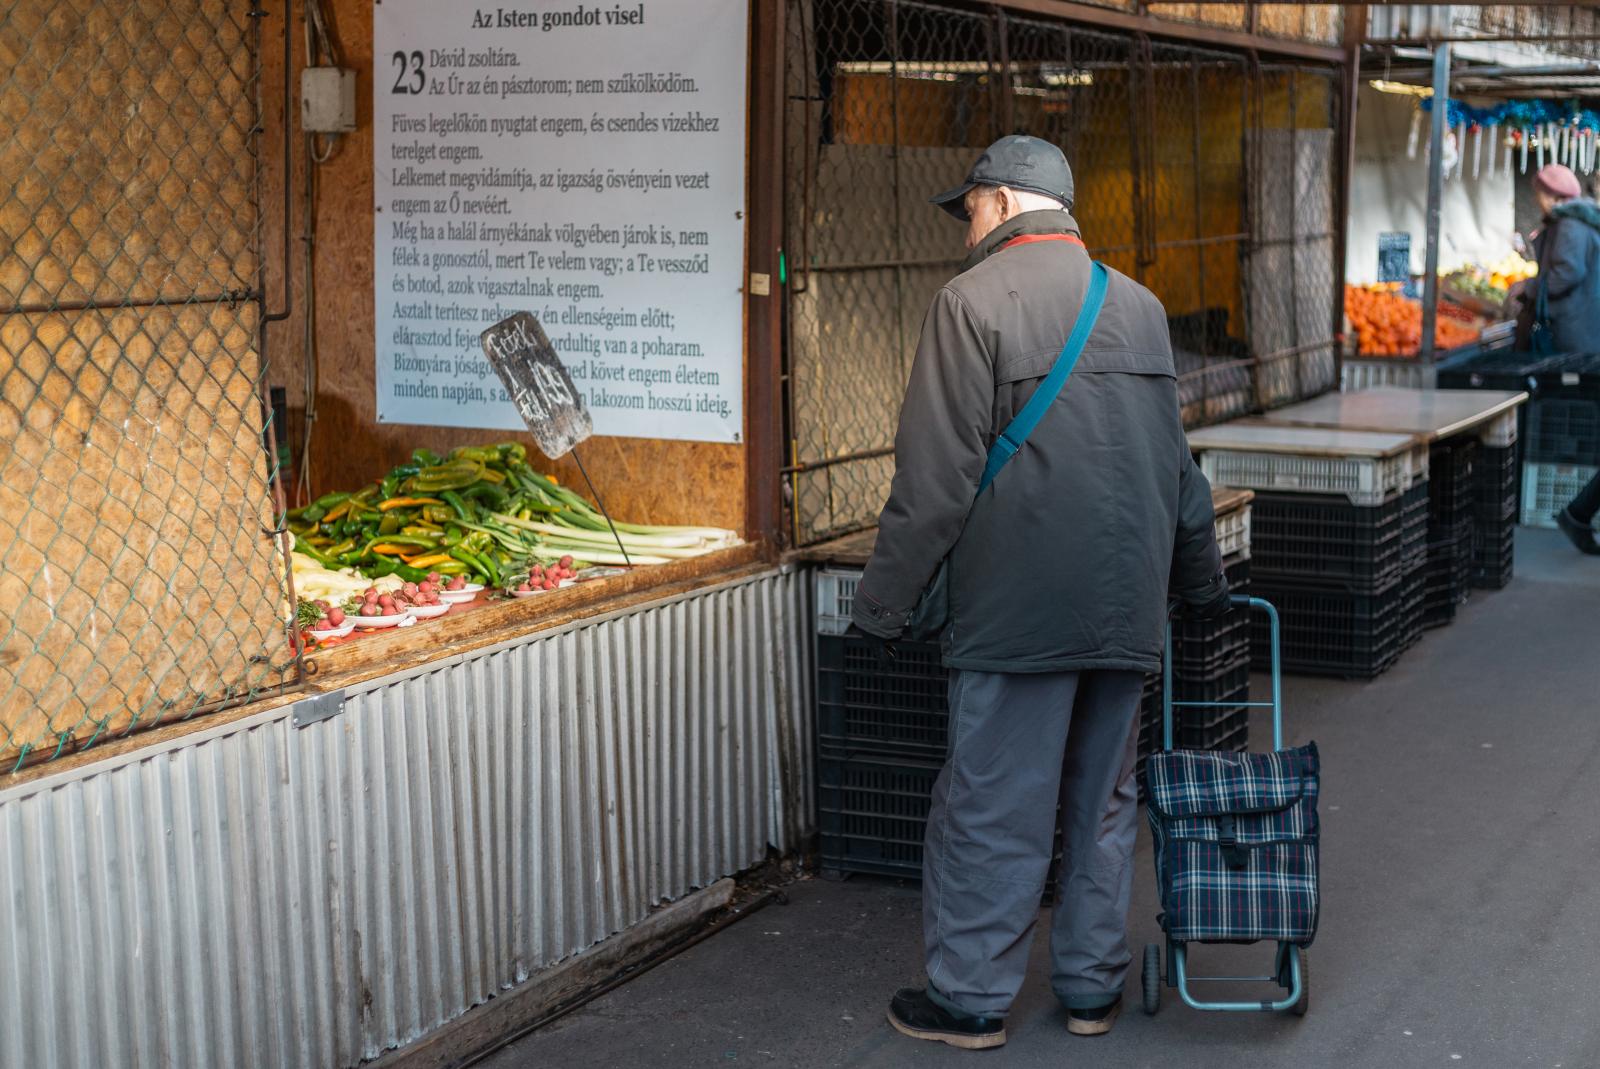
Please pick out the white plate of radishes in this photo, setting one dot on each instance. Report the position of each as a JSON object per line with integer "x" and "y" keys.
{"x": 543, "y": 577}
{"x": 457, "y": 590}
{"x": 376, "y": 609}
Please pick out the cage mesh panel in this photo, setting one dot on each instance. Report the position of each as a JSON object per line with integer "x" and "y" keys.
{"x": 142, "y": 583}
{"x": 889, "y": 100}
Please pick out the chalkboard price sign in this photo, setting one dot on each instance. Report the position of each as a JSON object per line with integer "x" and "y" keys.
{"x": 1394, "y": 256}
{"x": 538, "y": 383}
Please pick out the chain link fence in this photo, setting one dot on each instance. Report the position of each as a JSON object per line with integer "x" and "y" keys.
{"x": 142, "y": 582}
{"x": 1196, "y": 169}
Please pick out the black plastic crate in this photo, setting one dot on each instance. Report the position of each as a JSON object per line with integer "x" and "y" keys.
{"x": 1452, "y": 485}
{"x": 1449, "y": 573}
{"x": 1337, "y": 632}
{"x": 1315, "y": 538}
{"x": 1561, "y": 375}
{"x": 1494, "y": 554}
{"x": 1201, "y": 648}
{"x": 1499, "y": 481}
{"x": 872, "y": 813}
{"x": 864, "y": 705}
{"x": 1563, "y": 430}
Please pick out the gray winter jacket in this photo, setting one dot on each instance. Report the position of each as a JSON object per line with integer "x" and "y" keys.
{"x": 1064, "y": 563}
{"x": 1568, "y": 251}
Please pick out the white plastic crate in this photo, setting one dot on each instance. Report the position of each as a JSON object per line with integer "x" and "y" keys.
{"x": 836, "y": 594}
{"x": 1501, "y": 433}
{"x": 1233, "y": 534}
{"x": 1364, "y": 480}
{"x": 1549, "y": 488}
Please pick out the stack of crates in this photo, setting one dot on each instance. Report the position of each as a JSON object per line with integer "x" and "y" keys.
{"x": 1342, "y": 555}
{"x": 1495, "y": 514}
{"x": 1561, "y": 449}
{"x": 1452, "y": 529}
{"x": 882, "y": 734}
{"x": 882, "y": 731}
{"x": 1557, "y": 433}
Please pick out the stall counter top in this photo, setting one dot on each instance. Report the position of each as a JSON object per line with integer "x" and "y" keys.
{"x": 852, "y": 550}
{"x": 1253, "y": 436}
{"x": 1434, "y": 414}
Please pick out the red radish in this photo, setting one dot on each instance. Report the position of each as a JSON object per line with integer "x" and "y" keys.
{"x": 458, "y": 582}
{"x": 425, "y": 587}
{"x": 565, "y": 562}
{"x": 335, "y": 617}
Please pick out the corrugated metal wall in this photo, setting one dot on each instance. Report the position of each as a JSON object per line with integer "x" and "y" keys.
{"x": 266, "y": 895}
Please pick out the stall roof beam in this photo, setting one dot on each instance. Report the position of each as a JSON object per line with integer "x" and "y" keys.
{"x": 1181, "y": 31}
{"x": 1430, "y": 278}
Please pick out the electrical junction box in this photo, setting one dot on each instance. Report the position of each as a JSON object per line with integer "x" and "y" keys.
{"x": 327, "y": 100}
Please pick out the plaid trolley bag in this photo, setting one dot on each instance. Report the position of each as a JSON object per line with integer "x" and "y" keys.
{"x": 1236, "y": 849}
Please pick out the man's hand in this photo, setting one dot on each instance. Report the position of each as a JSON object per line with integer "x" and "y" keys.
{"x": 883, "y": 649}
{"x": 1214, "y": 603}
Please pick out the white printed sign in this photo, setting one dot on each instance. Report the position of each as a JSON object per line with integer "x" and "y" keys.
{"x": 581, "y": 162}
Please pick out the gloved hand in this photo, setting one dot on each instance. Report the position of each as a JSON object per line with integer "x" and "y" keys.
{"x": 883, "y": 649}
{"x": 1214, "y": 602}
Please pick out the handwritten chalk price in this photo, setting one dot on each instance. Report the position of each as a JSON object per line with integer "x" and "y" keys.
{"x": 538, "y": 383}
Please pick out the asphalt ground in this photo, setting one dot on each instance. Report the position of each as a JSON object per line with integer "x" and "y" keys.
{"x": 1460, "y": 878}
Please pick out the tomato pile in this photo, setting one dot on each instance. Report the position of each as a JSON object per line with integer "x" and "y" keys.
{"x": 1386, "y": 324}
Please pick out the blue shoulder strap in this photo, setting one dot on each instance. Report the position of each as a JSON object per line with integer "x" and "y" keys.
{"x": 1022, "y": 424}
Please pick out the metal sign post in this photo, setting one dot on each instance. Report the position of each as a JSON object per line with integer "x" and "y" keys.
{"x": 1430, "y": 277}
{"x": 544, "y": 393}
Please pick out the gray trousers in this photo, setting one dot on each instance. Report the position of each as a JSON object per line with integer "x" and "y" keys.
{"x": 1018, "y": 745}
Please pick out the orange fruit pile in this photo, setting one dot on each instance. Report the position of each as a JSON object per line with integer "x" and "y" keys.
{"x": 1386, "y": 324}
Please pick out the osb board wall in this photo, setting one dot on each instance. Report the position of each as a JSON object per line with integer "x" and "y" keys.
{"x": 140, "y": 582}
{"x": 641, "y": 480}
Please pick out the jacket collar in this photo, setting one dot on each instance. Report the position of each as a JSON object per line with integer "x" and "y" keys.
{"x": 1048, "y": 221}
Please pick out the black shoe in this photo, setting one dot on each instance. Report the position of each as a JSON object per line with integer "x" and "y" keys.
{"x": 1580, "y": 535}
{"x": 1095, "y": 1022}
{"x": 913, "y": 1013}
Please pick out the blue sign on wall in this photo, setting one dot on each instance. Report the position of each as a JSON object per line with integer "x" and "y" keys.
{"x": 1394, "y": 257}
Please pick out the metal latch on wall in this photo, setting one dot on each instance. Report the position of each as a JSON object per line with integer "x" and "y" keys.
{"x": 317, "y": 708}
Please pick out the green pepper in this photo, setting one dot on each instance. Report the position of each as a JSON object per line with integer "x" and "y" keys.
{"x": 379, "y": 568}
{"x": 453, "y": 536}
{"x": 302, "y": 546}
{"x": 425, "y": 458}
{"x": 389, "y": 487}
{"x": 450, "y": 567}
{"x": 492, "y": 495}
{"x": 327, "y": 501}
{"x": 482, "y": 454}
{"x": 453, "y": 476}
{"x": 341, "y": 549}
{"x": 513, "y": 453}
{"x": 453, "y": 499}
{"x": 391, "y": 522}
{"x": 295, "y": 514}
{"x": 481, "y": 565}
{"x": 401, "y": 540}
{"x": 313, "y": 514}
{"x": 410, "y": 574}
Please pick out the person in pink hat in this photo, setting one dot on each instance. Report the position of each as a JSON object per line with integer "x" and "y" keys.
{"x": 1567, "y": 248}
{"x": 1565, "y": 302}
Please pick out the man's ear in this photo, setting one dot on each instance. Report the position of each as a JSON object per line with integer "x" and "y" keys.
{"x": 1008, "y": 202}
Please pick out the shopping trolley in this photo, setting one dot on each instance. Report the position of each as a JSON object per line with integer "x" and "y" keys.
{"x": 1236, "y": 845}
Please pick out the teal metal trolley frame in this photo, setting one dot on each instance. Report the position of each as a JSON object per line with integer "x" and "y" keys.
{"x": 1291, "y": 966}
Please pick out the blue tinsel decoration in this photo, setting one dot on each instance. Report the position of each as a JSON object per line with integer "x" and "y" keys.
{"x": 1518, "y": 113}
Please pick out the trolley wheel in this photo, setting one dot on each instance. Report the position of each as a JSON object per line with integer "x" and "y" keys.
{"x": 1299, "y": 1008}
{"x": 1152, "y": 978}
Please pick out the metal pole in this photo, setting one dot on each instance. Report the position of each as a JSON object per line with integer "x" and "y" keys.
{"x": 1430, "y": 277}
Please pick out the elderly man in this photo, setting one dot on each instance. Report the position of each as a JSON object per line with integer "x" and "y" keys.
{"x": 1058, "y": 579}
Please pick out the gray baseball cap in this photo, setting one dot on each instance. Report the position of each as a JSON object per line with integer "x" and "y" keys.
{"x": 1017, "y": 162}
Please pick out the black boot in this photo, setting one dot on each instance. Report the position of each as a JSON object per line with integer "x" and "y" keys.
{"x": 1580, "y": 535}
{"x": 1095, "y": 1022}
{"x": 913, "y": 1013}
